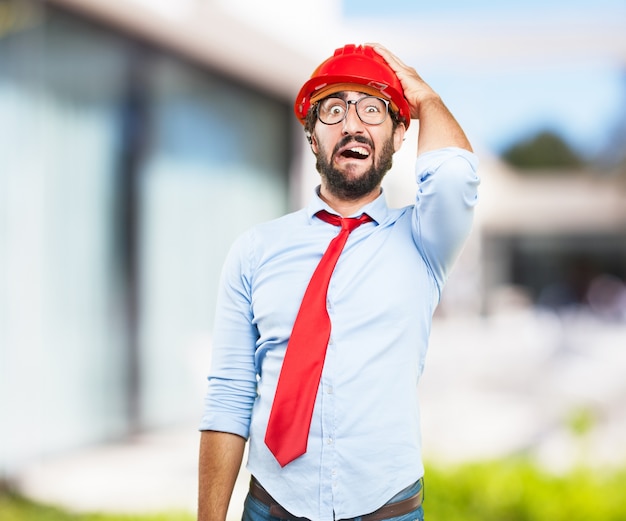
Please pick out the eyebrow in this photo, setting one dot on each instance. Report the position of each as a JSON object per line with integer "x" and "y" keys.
{"x": 343, "y": 95}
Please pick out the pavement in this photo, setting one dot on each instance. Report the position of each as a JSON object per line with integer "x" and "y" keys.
{"x": 514, "y": 383}
{"x": 153, "y": 472}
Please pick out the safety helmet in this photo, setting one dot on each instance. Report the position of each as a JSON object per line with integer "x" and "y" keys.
{"x": 353, "y": 67}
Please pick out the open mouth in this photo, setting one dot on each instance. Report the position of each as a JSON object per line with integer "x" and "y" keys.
{"x": 355, "y": 152}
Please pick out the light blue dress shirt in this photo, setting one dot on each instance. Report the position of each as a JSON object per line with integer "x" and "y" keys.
{"x": 364, "y": 445}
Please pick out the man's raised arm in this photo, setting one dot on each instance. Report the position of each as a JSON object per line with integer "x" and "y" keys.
{"x": 438, "y": 128}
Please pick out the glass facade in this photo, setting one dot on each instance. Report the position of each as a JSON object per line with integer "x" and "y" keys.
{"x": 125, "y": 174}
{"x": 211, "y": 171}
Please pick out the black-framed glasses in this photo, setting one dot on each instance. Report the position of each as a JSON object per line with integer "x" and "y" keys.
{"x": 370, "y": 109}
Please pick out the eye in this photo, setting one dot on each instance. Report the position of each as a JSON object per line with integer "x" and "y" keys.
{"x": 372, "y": 109}
{"x": 335, "y": 109}
{"x": 371, "y": 106}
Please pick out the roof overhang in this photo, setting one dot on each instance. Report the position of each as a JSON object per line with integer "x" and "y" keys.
{"x": 210, "y": 37}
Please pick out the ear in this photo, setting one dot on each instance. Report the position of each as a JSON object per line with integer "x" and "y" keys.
{"x": 313, "y": 143}
{"x": 398, "y": 136}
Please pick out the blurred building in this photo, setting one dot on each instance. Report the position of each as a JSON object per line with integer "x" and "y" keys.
{"x": 553, "y": 238}
{"x": 135, "y": 145}
{"x": 132, "y": 153}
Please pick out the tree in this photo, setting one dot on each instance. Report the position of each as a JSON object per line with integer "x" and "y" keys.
{"x": 543, "y": 151}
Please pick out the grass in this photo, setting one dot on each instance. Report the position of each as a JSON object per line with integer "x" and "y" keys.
{"x": 505, "y": 490}
{"x": 16, "y": 508}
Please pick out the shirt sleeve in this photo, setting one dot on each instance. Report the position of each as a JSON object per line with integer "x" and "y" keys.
{"x": 232, "y": 384}
{"x": 443, "y": 213}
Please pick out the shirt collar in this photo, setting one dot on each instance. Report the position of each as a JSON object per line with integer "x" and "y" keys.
{"x": 377, "y": 209}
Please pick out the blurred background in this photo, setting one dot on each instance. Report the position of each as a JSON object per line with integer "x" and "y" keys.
{"x": 138, "y": 138}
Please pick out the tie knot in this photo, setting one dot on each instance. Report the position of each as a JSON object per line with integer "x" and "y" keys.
{"x": 346, "y": 223}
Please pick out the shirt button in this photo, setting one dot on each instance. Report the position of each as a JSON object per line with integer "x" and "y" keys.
{"x": 329, "y": 441}
{"x": 329, "y": 390}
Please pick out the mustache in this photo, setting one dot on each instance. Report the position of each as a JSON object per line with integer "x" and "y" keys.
{"x": 351, "y": 139}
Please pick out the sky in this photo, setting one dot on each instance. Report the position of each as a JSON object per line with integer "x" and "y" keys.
{"x": 442, "y": 7}
{"x": 580, "y": 94}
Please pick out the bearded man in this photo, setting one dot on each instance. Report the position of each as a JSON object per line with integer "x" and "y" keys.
{"x": 324, "y": 315}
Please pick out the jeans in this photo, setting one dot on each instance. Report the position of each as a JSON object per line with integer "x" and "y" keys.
{"x": 254, "y": 510}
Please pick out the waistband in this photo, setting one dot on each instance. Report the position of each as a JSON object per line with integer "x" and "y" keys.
{"x": 389, "y": 510}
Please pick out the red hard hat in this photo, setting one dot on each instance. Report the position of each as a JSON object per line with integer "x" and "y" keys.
{"x": 358, "y": 68}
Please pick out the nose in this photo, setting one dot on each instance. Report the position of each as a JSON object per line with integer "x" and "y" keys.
{"x": 352, "y": 123}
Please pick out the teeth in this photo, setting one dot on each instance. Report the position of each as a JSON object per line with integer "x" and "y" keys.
{"x": 360, "y": 150}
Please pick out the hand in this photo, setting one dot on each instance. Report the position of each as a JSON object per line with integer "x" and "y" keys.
{"x": 416, "y": 90}
{"x": 437, "y": 128}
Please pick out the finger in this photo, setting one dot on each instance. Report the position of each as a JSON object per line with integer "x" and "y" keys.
{"x": 394, "y": 62}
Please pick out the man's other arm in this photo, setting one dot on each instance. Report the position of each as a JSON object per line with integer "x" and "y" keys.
{"x": 221, "y": 454}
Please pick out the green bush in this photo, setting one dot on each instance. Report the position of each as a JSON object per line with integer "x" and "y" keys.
{"x": 516, "y": 490}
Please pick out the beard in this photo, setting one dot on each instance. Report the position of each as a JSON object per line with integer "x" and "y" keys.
{"x": 347, "y": 188}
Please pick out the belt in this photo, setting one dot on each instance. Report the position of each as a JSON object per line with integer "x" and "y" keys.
{"x": 387, "y": 511}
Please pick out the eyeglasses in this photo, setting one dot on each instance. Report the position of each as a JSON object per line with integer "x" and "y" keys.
{"x": 370, "y": 109}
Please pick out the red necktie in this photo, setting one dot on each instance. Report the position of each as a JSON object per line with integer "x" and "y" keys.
{"x": 290, "y": 418}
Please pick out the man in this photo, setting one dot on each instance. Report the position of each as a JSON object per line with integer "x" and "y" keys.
{"x": 355, "y": 449}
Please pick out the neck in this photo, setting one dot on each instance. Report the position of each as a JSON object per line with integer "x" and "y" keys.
{"x": 346, "y": 207}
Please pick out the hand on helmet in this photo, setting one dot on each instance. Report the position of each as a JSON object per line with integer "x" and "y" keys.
{"x": 416, "y": 90}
